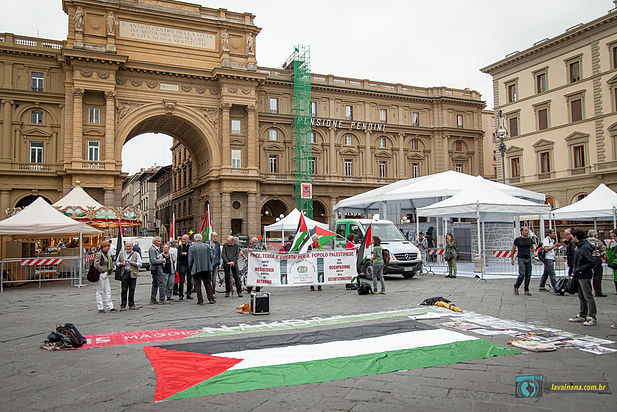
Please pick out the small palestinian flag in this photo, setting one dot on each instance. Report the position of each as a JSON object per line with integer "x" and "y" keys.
{"x": 208, "y": 232}
{"x": 243, "y": 364}
{"x": 302, "y": 240}
{"x": 325, "y": 235}
{"x": 368, "y": 240}
{"x": 172, "y": 228}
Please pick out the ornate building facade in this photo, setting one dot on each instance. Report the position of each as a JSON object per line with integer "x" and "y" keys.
{"x": 559, "y": 99}
{"x": 135, "y": 67}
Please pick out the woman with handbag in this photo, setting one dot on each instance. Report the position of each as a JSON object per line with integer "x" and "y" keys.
{"x": 169, "y": 270}
{"x": 103, "y": 263}
{"x": 450, "y": 255}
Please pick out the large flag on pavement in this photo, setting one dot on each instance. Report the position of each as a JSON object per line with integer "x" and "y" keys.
{"x": 234, "y": 365}
{"x": 302, "y": 240}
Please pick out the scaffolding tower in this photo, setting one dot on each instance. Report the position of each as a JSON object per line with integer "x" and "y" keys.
{"x": 301, "y": 61}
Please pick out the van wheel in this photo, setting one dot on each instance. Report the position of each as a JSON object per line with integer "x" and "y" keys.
{"x": 367, "y": 270}
{"x": 409, "y": 275}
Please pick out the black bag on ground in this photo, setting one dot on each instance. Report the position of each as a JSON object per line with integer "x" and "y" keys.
{"x": 572, "y": 286}
{"x": 431, "y": 301}
{"x": 70, "y": 335}
{"x": 561, "y": 286}
{"x": 93, "y": 274}
{"x": 365, "y": 289}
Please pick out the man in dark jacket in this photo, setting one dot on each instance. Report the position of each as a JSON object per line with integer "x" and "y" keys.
{"x": 583, "y": 272}
{"x": 184, "y": 271}
{"x": 570, "y": 249}
{"x": 200, "y": 262}
{"x": 215, "y": 246}
{"x": 230, "y": 254}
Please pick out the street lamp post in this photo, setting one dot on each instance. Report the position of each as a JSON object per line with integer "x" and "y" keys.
{"x": 501, "y": 133}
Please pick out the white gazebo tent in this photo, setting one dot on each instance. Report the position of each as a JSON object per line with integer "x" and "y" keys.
{"x": 485, "y": 202}
{"x": 601, "y": 204}
{"x": 41, "y": 219}
{"x": 290, "y": 223}
{"x": 407, "y": 196}
{"x": 77, "y": 197}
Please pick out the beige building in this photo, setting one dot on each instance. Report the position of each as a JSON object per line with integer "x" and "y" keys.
{"x": 559, "y": 99}
{"x": 128, "y": 68}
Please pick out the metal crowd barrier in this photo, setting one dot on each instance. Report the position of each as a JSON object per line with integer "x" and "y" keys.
{"x": 18, "y": 271}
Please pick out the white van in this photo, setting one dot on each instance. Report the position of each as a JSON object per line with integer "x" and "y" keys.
{"x": 405, "y": 258}
{"x": 144, "y": 244}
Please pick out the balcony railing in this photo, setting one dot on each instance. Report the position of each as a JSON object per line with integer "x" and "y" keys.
{"x": 40, "y": 167}
{"x": 93, "y": 165}
{"x": 606, "y": 165}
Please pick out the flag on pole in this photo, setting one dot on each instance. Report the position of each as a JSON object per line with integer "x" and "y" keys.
{"x": 208, "y": 230}
{"x": 325, "y": 235}
{"x": 368, "y": 240}
{"x": 302, "y": 239}
{"x": 119, "y": 243}
{"x": 172, "y": 229}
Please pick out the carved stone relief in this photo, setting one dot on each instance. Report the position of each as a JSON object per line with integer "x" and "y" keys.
{"x": 151, "y": 83}
{"x": 103, "y": 75}
{"x": 212, "y": 115}
{"x": 187, "y": 87}
{"x": 125, "y": 108}
{"x": 136, "y": 82}
{"x": 86, "y": 73}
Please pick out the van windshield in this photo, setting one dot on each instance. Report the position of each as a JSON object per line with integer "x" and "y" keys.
{"x": 387, "y": 232}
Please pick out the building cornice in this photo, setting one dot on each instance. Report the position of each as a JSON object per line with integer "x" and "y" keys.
{"x": 544, "y": 46}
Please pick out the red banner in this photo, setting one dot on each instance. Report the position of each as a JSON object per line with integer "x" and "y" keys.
{"x": 142, "y": 336}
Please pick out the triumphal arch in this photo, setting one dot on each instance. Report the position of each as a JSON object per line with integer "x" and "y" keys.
{"x": 129, "y": 67}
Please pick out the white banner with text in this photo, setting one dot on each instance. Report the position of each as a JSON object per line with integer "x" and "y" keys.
{"x": 301, "y": 269}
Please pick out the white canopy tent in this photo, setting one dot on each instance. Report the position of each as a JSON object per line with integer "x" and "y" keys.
{"x": 484, "y": 201}
{"x": 290, "y": 223}
{"x": 77, "y": 197}
{"x": 410, "y": 194}
{"x": 601, "y": 204}
{"x": 41, "y": 219}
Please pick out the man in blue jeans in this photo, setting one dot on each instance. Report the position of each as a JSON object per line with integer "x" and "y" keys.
{"x": 524, "y": 245}
{"x": 549, "y": 244}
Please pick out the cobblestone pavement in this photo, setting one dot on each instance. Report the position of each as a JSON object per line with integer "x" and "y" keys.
{"x": 121, "y": 377}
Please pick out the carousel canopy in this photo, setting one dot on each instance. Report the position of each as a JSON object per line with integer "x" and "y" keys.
{"x": 79, "y": 205}
{"x": 40, "y": 218}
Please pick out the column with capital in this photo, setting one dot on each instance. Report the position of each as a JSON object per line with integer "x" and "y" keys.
{"x": 5, "y": 148}
{"x": 225, "y": 130}
{"x": 368, "y": 164}
{"x": 333, "y": 165}
{"x": 78, "y": 95}
{"x": 110, "y": 110}
{"x": 5, "y": 199}
{"x": 225, "y": 215}
{"x": 253, "y": 215}
{"x": 401, "y": 156}
{"x": 252, "y": 138}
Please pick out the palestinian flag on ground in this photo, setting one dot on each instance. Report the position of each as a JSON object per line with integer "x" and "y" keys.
{"x": 243, "y": 364}
{"x": 302, "y": 240}
{"x": 325, "y": 235}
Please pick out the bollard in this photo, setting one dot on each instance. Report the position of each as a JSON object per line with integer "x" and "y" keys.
{"x": 477, "y": 264}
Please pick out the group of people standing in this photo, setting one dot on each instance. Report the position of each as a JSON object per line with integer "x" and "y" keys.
{"x": 584, "y": 256}
{"x": 195, "y": 263}
{"x": 426, "y": 242}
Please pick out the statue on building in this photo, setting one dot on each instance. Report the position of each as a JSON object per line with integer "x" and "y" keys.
{"x": 111, "y": 23}
{"x": 250, "y": 45}
{"x": 225, "y": 41}
{"x": 79, "y": 19}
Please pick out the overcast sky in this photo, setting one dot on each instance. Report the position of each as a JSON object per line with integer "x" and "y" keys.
{"x": 414, "y": 42}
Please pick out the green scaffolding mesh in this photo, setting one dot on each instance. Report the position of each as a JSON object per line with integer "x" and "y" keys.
{"x": 302, "y": 126}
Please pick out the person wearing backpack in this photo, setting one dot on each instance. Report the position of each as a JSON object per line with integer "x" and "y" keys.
{"x": 548, "y": 245}
{"x": 103, "y": 263}
{"x": 583, "y": 273}
{"x": 378, "y": 264}
{"x": 450, "y": 256}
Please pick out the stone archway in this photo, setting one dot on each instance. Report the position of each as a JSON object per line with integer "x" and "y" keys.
{"x": 28, "y": 199}
{"x": 180, "y": 122}
{"x": 271, "y": 210}
{"x": 320, "y": 213}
